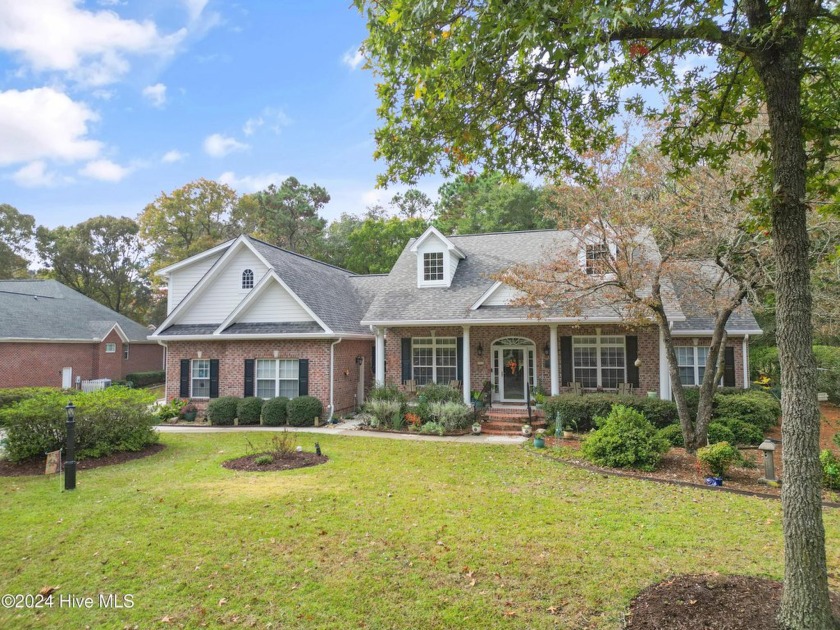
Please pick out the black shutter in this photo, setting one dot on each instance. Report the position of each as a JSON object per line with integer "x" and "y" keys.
{"x": 406, "y": 359}
{"x": 459, "y": 360}
{"x": 303, "y": 377}
{"x": 729, "y": 366}
{"x": 185, "y": 378}
{"x": 565, "y": 360}
{"x": 373, "y": 359}
{"x": 214, "y": 378}
{"x": 249, "y": 378}
{"x": 632, "y": 346}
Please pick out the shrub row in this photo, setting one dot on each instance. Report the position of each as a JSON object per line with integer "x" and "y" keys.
{"x": 298, "y": 412}
{"x": 12, "y": 395}
{"x": 581, "y": 411}
{"x": 438, "y": 409}
{"x": 108, "y": 421}
{"x": 144, "y": 379}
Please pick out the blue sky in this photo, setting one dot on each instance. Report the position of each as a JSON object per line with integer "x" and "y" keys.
{"x": 104, "y": 104}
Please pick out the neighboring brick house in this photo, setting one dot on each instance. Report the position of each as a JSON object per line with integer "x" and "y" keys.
{"x": 247, "y": 318}
{"x": 51, "y": 335}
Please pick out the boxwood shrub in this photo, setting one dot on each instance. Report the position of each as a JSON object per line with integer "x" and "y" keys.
{"x": 583, "y": 409}
{"x": 625, "y": 439}
{"x": 144, "y": 379}
{"x": 720, "y": 433}
{"x": 673, "y": 433}
{"x": 222, "y": 411}
{"x": 107, "y": 421}
{"x": 274, "y": 411}
{"x": 11, "y": 395}
{"x": 743, "y": 433}
{"x": 249, "y": 410}
{"x": 301, "y": 411}
{"x": 753, "y": 406}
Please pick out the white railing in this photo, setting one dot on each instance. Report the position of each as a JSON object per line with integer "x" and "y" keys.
{"x": 96, "y": 384}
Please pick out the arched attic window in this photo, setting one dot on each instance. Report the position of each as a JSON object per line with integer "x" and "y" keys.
{"x": 247, "y": 279}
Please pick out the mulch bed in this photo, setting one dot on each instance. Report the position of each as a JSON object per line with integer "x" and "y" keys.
{"x": 710, "y": 602}
{"x": 36, "y": 465}
{"x": 287, "y": 462}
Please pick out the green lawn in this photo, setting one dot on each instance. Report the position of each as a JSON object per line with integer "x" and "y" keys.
{"x": 388, "y": 534}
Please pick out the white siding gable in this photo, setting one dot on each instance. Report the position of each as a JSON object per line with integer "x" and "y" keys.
{"x": 225, "y": 292}
{"x": 502, "y": 296}
{"x": 181, "y": 281}
{"x": 274, "y": 304}
{"x": 450, "y": 261}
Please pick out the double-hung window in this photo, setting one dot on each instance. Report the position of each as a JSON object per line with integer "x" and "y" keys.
{"x": 277, "y": 377}
{"x": 597, "y": 258}
{"x": 434, "y": 360}
{"x": 432, "y": 266}
{"x": 599, "y": 361}
{"x": 200, "y": 378}
{"x": 110, "y": 348}
{"x": 692, "y": 363}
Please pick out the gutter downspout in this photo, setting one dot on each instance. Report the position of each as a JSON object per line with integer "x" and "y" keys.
{"x": 745, "y": 351}
{"x": 332, "y": 378}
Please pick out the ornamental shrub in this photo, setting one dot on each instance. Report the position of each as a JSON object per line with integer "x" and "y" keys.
{"x": 274, "y": 411}
{"x": 11, "y": 395}
{"x": 108, "y": 421}
{"x": 386, "y": 392}
{"x": 301, "y": 411}
{"x": 584, "y": 409}
{"x": 742, "y": 432}
{"x": 753, "y": 406}
{"x": 249, "y": 410}
{"x": 830, "y": 469}
{"x": 719, "y": 457}
{"x": 433, "y": 428}
{"x": 828, "y": 376}
{"x": 720, "y": 433}
{"x": 625, "y": 439}
{"x": 434, "y": 392}
{"x": 453, "y": 416}
{"x": 386, "y": 414}
{"x": 222, "y": 411}
{"x": 673, "y": 433}
{"x": 144, "y": 379}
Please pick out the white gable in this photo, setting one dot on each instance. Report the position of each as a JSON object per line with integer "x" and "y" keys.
{"x": 225, "y": 291}
{"x": 430, "y": 243}
{"x": 182, "y": 280}
{"x": 502, "y": 296}
{"x": 274, "y": 304}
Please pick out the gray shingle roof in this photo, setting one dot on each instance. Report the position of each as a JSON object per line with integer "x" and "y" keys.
{"x": 46, "y": 309}
{"x": 189, "y": 329}
{"x": 400, "y": 299}
{"x": 272, "y": 328}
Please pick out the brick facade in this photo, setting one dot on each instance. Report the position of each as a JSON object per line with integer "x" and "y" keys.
{"x": 40, "y": 364}
{"x": 232, "y": 355}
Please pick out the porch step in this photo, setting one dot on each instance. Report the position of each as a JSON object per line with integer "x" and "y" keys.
{"x": 510, "y": 427}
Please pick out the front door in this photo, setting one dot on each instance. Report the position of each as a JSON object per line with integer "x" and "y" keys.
{"x": 514, "y": 370}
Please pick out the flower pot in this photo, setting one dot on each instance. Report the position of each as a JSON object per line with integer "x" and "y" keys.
{"x": 714, "y": 481}
{"x": 189, "y": 416}
{"x": 478, "y": 404}
{"x": 476, "y": 429}
{"x": 526, "y": 430}
{"x": 539, "y": 442}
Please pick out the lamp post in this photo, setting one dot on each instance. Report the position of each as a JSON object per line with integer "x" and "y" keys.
{"x": 70, "y": 464}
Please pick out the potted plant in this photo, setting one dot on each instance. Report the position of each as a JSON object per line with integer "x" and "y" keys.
{"x": 477, "y": 402}
{"x": 539, "y": 438}
{"x": 540, "y": 398}
{"x": 526, "y": 430}
{"x": 476, "y": 428}
{"x": 189, "y": 412}
{"x": 569, "y": 428}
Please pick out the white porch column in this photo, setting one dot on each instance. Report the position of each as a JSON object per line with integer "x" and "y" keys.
{"x": 745, "y": 355}
{"x": 466, "y": 361}
{"x": 380, "y": 357}
{"x": 555, "y": 367}
{"x": 664, "y": 374}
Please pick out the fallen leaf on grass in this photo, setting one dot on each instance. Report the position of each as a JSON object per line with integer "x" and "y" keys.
{"x": 222, "y": 601}
{"x": 48, "y": 590}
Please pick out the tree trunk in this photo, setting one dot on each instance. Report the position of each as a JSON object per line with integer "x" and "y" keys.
{"x": 686, "y": 423}
{"x": 805, "y": 602}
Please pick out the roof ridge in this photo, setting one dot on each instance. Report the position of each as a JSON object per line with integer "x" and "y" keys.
{"x": 299, "y": 255}
{"x": 508, "y": 232}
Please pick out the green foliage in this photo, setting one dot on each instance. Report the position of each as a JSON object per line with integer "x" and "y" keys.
{"x": 390, "y": 235}
{"x": 753, "y": 406}
{"x": 673, "y": 433}
{"x": 453, "y": 416}
{"x": 830, "y": 469}
{"x": 742, "y": 432}
{"x": 384, "y": 413}
{"x": 302, "y": 411}
{"x": 287, "y": 216}
{"x": 719, "y": 457}
{"x": 434, "y": 392}
{"x": 144, "y": 379}
{"x": 720, "y": 433}
{"x": 433, "y": 428}
{"x": 11, "y": 395}
{"x": 16, "y": 230}
{"x": 170, "y": 410}
{"x": 625, "y": 439}
{"x": 263, "y": 460}
{"x": 583, "y": 409}
{"x": 222, "y": 411}
{"x": 107, "y": 421}
{"x": 387, "y": 392}
{"x": 274, "y": 411}
{"x": 249, "y": 410}
{"x": 828, "y": 374}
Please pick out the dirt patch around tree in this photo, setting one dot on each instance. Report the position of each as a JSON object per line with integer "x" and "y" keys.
{"x": 36, "y": 465}
{"x": 710, "y": 602}
{"x": 285, "y": 462}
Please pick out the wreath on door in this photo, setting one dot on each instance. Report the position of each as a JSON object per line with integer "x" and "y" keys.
{"x": 512, "y": 365}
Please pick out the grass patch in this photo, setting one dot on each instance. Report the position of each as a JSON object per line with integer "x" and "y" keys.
{"x": 387, "y": 534}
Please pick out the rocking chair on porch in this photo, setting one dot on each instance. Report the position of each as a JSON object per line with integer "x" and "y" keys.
{"x": 625, "y": 389}
{"x": 576, "y": 388}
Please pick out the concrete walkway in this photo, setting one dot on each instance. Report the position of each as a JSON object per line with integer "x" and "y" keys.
{"x": 346, "y": 428}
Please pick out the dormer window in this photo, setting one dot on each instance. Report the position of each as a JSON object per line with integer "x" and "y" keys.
{"x": 432, "y": 266}
{"x": 248, "y": 279}
{"x": 597, "y": 258}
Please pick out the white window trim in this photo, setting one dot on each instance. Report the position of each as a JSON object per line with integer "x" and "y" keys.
{"x": 126, "y": 351}
{"x": 695, "y": 364}
{"x": 193, "y": 378}
{"x": 251, "y": 279}
{"x": 277, "y": 379}
{"x": 449, "y": 342}
{"x": 421, "y": 277}
{"x": 598, "y": 367}
{"x": 110, "y": 348}
{"x": 442, "y": 266}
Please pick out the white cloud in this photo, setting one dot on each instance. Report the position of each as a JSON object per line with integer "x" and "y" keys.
{"x": 34, "y": 175}
{"x": 105, "y": 170}
{"x": 195, "y": 7}
{"x": 353, "y": 58}
{"x": 89, "y": 46}
{"x": 156, "y": 94}
{"x": 44, "y": 123}
{"x": 252, "y": 124}
{"x": 250, "y": 183}
{"x": 276, "y": 119}
{"x": 217, "y": 145}
{"x": 173, "y": 156}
